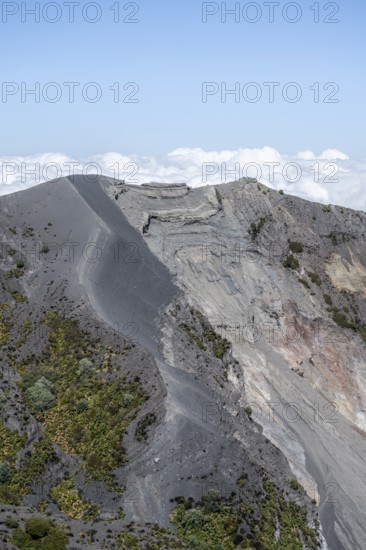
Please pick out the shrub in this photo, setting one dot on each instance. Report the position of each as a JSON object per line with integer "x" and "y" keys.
{"x": 86, "y": 367}
{"x": 342, "y": 321}
{"x": 327, "y": 299}
{"x": 326, "y": 208}
{"x": 248, "y": 410}
{"x": 142, "y": 425}
{"x": 37, "y": 528}
{"x": 296, "y": 247}
{"x": 20, "y": 264}
{"x": 314, "y": 277}
{"x": 82, "y": 405}
{"x": 5, "y": 473}
{"x": 21, "y": 539}
{"x": 296, "y": 486}
{"x": 11, "y": 523}
{"x": 193, "y": 519}
{"x": 127, "y": 399}
{"x": 40, "y": 533}
{"x": 291, "y": 262}
{"x": 18, "y": 296}
{"x": 256, "y": 229}
{"x": 40, "y": 395}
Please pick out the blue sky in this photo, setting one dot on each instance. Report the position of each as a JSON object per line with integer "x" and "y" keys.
{"x": 169, "y": 53}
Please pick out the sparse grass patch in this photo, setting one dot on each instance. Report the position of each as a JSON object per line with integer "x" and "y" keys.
{"x": 69, "y": 501}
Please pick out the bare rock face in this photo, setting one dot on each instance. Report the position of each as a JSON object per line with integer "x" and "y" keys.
{"x": 284, "y": 280}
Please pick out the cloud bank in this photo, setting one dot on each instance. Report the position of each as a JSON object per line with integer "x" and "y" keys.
{"x": 330, "y": 178}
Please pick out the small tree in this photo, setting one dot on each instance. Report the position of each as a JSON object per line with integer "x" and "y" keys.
{"x": 40, "y": 395}
{"x": 86, "y": 367}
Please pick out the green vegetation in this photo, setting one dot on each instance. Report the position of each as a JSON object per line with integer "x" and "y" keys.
{"x": 362, "y": 332}
{"x": 3, "y": 399}
{"x": 255, "y": 229}
{"x": 217, "y": 522}
{"x": 218, "y": 344}
{"x": 193, "y": 336}
{"x": 4, "y": 329}
{"x": 291, "y": 262}
{"x": 40, "y": 395}
{"x": 28, "y": 232}
{"x": 40, "y": 533}
{"x": 18, "y": 296}
{"x": 304, "y": 282}
{"x": 326, "y": 208}
{"x": 248, "y": 410}
{"x": 11, "y": 523}
{"x": 314, "y": 277}
{"x": 327, "y": 299}
{"x": 5, "y": 473}
{"x": 83, "y": 408}
{"x": 68, "y": 499}
{"x": 342, "y": 321}
{"x": 14, "y": 273}
{"x": 142, "y": 426}
{"x": 31, "y": 469}
{"x": 296, "y": 486}
{"x": 296, "y": 247}
{"x": 20, "y": 264}
{"x": 10, "y": 444}
{"x": 151, "y": 537}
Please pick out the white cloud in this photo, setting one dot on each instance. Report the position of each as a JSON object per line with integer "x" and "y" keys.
{"x": 331, "y": 177}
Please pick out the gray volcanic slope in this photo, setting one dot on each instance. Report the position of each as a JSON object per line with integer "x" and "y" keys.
{"x": 106, "y": 248}
{"x": 227, "y": 247}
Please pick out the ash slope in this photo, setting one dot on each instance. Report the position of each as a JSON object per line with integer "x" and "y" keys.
{"x": 285, "y": 280}
{"x": 128, "y": 288}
